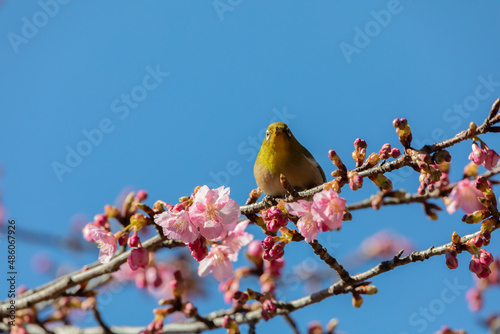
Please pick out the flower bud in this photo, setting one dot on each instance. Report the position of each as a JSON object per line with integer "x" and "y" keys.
{"x": 254, "y": 251}
{"x": 360, "y": 143}
{"x": 231, "y": 325}
{"x": 111, "y": 211}
{"x": 475, "y": 217}
{"x": 477, "y": 155}
{"x": 477, "y": 241}
{"x": 100, "y": 219}
{"x": 139, "y": 220}
{"x": 268, "y": 242}
{"x": 373, "y": 159}
{"x": 355, "y": 181}
{"x": 395, "y": 153}
{"x": 269, "y": 309}
{"x": 451, "y": 260}
{"x": 455, "y": 238}
{"x": 335, "y": 159}
{"x": 141, "y": 196}
{"x": 385, "y": 151}
{"x": 277, "y": 251}
{"x": 198, "y": 248}
{"x": 134, "y": 240}
{"x": 357, "y": 300}
{"x": 190, "y": 310}
{"x": 240, "y": 297}
{"x": 366, "y": 289}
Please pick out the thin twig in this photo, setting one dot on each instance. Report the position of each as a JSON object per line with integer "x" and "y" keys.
{"x": 331, "y": 261}
{"x": 98, "y": 318}
{"x": 292, "y": 323}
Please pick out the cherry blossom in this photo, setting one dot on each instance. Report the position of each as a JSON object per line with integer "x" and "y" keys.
{"x": 214, "y": 212}
{"x": 177, "y": 225}
{"x": 106, "y": 242}
{"x": 217, "y": 262}
{"x": 237, "y": 239}
{"x": 464, "y": 195}
{"x": 306, "y": 225}
{"x": 328, "y": 209}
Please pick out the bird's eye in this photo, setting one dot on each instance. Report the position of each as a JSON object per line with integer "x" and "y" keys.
{"x": 288, "y": 132}
{"x": 267, "y": 135}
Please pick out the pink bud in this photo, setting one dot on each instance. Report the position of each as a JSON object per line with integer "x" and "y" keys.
{"x": 355, "y": 182}
{"x": 141, "y": 195}
{"x": 268, "y": 309}
{"x": 255, "y": 249}
{"x": 395, "y": 152}
{"x": 360, "y": 143}
{"x": 100, "y": 219}
{"x": 451, "y": 260}
{"x": 475, "y": 266}
{"x": 478, "y": 241}
{"x": 268, "y": 242}
{"x": 385, "y": 151}
{"x": 134, "y": 240}
{"x": 273, "y": 225}
{"x": 198, "y": 248}
{"x": 277, "y": 251}
{"x": 491, "y": 159}
{"x": 485, "y": 258}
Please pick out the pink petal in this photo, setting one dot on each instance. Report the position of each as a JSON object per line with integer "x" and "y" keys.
{"x": 223, "y": 270}
{"x": 212, "y": 230}
{"x": 229, "y": 213}
{"x": 204, "y": 267}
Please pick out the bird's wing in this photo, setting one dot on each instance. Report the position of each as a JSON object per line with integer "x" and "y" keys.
{"x": 310, "y": 157}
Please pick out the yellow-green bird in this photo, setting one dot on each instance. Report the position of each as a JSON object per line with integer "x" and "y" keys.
{"x": 282, "y": 153}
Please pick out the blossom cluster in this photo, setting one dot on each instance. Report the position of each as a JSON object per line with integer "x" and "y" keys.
{"x": 484, "y": 155}
{"x": 211, "y": 216}
{"x": 99, "y": 231}
{"x": 324, "y": 213}
{"x": 207, "y": 218}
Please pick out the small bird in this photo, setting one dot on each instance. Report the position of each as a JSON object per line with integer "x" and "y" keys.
{"x": 282, "y": 153}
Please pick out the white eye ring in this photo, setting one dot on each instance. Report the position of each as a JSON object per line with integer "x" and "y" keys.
{"x": 267, "y": 135}
{"x": 288, "y": 132}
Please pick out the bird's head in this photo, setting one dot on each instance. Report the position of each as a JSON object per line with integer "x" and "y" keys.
{"x": 278, "y": 135}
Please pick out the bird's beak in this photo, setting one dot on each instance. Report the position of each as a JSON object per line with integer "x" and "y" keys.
{"x": 279, "y": 130}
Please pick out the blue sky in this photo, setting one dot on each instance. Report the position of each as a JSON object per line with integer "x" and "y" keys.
{"x": 177, "y": 94}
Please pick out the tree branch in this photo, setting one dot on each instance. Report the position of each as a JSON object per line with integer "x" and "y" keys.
{"x": 254, "y": 316}
{"x": 57, "y": 287}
